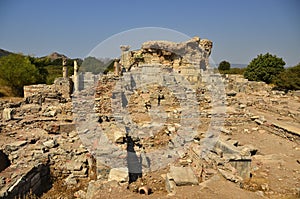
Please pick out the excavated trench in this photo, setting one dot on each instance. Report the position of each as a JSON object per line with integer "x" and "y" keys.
{"x": 31, "y": 182}
{"x": 4, "y": 161}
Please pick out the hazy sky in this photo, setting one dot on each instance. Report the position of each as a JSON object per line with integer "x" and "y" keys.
{"x": 240, "y": 30}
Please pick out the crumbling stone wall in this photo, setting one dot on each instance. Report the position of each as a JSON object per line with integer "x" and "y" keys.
{"x": 62, "y": 87}
{"x": 186, "y": 58}
{"x": 238, "y": 83}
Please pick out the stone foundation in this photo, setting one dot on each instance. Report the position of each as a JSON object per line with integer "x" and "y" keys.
{"x": 35, "y": 181}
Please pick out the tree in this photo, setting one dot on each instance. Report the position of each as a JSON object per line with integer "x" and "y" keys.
{"x": 40, "y": 64}
{"x": 264, "y": 68}
{"x": 289, "y": 79}
{"x": 17, "y": 71}
{"x": 224, "y": 65}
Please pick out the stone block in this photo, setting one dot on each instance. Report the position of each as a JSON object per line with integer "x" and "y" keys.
{"x": 32, "y": 108}
{"x": 170, "y": 184}
{"x": 50, "y": 144}
{"x": 67, "y": 127}
{"x": 258, "y": 121}
{"x": 118, "y": 174}
{"x": 7, "y": 114}
{"x": 183, "y": 176}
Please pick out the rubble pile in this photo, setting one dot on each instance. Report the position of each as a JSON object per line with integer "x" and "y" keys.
{"x": 39, "y": 137}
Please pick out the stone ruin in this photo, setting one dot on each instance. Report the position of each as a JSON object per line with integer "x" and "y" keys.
{"x": 119, "y": 94}
{"x": 53, "y": 134}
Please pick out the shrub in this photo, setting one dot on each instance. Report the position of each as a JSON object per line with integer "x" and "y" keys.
{"x": 264, "y": 68}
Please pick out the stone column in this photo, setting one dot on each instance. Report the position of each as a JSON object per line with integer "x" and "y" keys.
{"x": 124, "y": 55}
{"x": 76, "y": 77}
{"x": 65, "y": 68}
{"x": 117, "y": 68}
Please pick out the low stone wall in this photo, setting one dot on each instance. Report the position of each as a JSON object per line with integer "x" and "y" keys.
{"x": 62, "y": 86}
{"x": 31, "y": 90}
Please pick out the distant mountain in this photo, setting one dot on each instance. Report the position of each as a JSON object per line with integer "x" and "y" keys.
{"x": 4, "y": 53}
{"x": 238, "y": 65}
{"x": 56, "y": 55}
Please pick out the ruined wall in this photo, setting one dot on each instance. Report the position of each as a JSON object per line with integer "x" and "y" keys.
{"x": 238, "y": 83}
{"x": 62, "y": 87}
{"x": 36, "y": 89}
{"x": 187, "y": 58}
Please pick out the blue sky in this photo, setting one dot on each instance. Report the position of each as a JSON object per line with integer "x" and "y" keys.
{"x": 240, "y": 30}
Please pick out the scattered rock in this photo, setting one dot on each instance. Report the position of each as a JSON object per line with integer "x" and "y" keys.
{"x": 80, "y": 194}
{"x": 228, "y": 175}
{"x": 242, "y": 106}
{"x": 70, "y": 180}
{"x": 231, "y": 93}
{"x": 227, "y": 132}
{"x": 258, "y": 121}
{"x": 50, "y": 144}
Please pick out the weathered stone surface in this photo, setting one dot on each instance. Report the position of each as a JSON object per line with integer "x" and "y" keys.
{"x": 92, "y": 188}
{"x": 258, "y": 121}
{"x": 183, "y": 176}
{"x": 230, "y": 176}
{"x": 50, "y": 144}
{"x": 52, "y": 128}
{"x": 80, "y": 194}
{"x": 231, "y": 93}
{"x": 52, "y": 111}
{"x": 119, "y": 136}
{"x": 15, "y": 145}
{"x": 70, "y": 180}
{"x": 292, "y": 129}
{"x": 170, "y": 184}
{"x": 66, "y": 127}
{"x": 32, "y": 108}
{"x": 7, "y": 114}
{"x": 118, "y": 174}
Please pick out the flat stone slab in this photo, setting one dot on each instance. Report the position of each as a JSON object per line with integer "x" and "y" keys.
{"x": 183, "y": 176}
{"x": 292, "y": 129}
{"x": 118, "y": 174}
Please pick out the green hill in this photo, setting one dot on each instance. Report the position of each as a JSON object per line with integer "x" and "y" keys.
{"x": 4, "y": 52}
